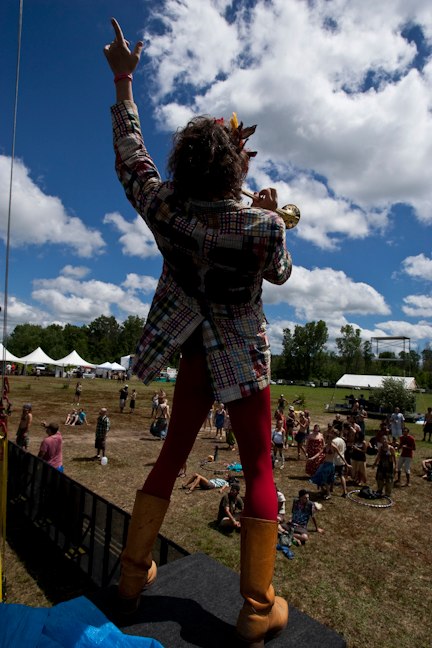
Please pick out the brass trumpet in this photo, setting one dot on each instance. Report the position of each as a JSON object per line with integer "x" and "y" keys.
{"x": 289, "y": 213}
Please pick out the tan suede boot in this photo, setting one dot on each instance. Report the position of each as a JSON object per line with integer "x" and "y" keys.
{"x": 263, "y": 614}
{"x": 137, "y": 567}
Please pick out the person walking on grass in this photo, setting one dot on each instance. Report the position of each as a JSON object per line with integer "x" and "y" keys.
{"x": 132, "y": 401}
{"x": 207, "y": 305}
{"x": 78, "y": 391}
{"x": 24, "y": 425}
{"x": 123, "y": 396}
{"x": 102, "y": 429}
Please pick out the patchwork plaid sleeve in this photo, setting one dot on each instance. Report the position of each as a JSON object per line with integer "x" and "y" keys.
{"x": 135, "y": 168}
{"x": 279, "y": 263}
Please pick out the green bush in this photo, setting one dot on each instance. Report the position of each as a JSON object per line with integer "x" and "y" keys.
{"x": 393, "y": 394}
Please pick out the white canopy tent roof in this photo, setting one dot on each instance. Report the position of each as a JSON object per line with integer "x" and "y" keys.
{"x": 371, "y": 382}
{"x": 115, "y": 366}
{"x": 5, "y": 355}
{"x": 105, "y": 365}
{"x": 38, "y": 356}
{"x": 75, "y": 360}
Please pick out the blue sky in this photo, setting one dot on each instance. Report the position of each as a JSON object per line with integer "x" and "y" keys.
{"x": 342, "y": 96}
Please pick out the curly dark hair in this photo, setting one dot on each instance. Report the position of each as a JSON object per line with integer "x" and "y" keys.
{"x": 205, "y": 162}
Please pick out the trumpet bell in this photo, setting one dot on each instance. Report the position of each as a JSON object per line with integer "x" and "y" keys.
{"x": 290, "y": 213}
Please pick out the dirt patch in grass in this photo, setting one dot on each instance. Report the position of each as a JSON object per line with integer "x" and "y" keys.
{"x": 366, "y": 577}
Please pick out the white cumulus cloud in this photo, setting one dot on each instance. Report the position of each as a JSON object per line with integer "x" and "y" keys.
{"x": 419, "y": 266}
{"x": 338, "y": 90}
{"x": 37, "y": 218}
{"x": 135, "y": 238}
{"x": 324, "y": 293}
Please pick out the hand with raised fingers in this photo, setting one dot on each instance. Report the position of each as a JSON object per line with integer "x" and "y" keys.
{"x": 120, "y": 58}
{"x": 266, "y": 199}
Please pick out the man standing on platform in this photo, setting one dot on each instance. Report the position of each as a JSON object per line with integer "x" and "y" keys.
{"x": 208, "y": 306}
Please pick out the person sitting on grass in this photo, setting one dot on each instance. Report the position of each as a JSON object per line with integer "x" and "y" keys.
{"x": 303, "y": 510}
{"x": 81, "y": 418}
{"x": 230, "y": 508}
{"x": 281, "y": 504}
{"x": 199, "y": 481}
{"x": 427, "y": 469}
{"x": 71, "y": 417}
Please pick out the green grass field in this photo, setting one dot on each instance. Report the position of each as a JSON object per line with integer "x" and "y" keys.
{"x": 367, "y": 576}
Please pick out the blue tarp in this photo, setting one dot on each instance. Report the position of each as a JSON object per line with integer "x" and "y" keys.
{"x": 74, "y": 624}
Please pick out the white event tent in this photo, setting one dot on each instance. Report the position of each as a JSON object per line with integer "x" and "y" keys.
{"x": 105, "y": 365}
{"x": 38, "y": 356}
{"x": 115, "y": 366}
{"x": 7, "y": 356}
{"x": 371, "y": 382}
{"x": 74, "y": 360}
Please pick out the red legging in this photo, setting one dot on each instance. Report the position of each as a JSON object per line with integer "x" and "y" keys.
{"x": 251, "y": 424}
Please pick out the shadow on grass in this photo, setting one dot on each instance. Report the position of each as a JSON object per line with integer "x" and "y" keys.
{"x": 227, "y": 532}
{"x": 84, "y": 459}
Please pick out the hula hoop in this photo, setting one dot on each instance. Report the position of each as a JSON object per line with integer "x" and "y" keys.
{"x": 371, "y": 503}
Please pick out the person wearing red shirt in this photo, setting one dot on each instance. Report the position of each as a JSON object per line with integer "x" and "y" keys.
{"x": 407, "y": 446}
{"x": 51, "y": 447}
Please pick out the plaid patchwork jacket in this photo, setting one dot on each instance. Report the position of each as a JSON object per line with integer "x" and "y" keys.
{"x": 216, "y": 255}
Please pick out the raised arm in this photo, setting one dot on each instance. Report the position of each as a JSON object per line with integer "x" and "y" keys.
{"x": 122, "y": 62}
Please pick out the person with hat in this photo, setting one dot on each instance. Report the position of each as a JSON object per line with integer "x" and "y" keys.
{"x": 282, "y": 402}
{"x": 51, "y": 447}
{"x": 303, "y": 510}
{"x": 230, "y": 508}
{"x": 23, "y": 432}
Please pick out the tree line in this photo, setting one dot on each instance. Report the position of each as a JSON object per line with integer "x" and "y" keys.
{"x": 304, "y": 356}
{"x": 102, "y": 340}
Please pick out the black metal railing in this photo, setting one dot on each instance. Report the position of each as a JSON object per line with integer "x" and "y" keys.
{"x": 87, "y": 528}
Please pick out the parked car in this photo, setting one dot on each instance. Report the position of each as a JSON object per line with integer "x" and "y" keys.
{"x": 89, "y": 374}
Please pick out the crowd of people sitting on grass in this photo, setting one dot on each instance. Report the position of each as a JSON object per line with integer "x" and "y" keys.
{"x": 338, "y": 456}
